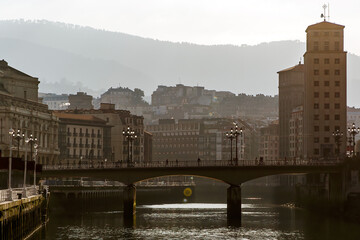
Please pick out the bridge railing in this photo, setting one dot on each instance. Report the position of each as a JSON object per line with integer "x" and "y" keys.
{"x": 196, "y": 163}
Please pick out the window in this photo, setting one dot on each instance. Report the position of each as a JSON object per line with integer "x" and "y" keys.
{"x": 326, "y": 72}
{"x": 316, "y": 139}
{"x": 327, "y": 117}
{"x": 316, "y": 83}
{"x": 337, "y": 60}
{"x": 316, "y": 151}
{"x": 326, "y": 83}
{"x": 326, "y": 139}
{"x": 337, "y": 128}
{"x": 337, "y": 83}
{"x": 327, "y": 94}
{"x": 316, "y": 34}
{"x": 326, "y": 105}
{"x": 337, "y": 116}
{"x": 337, "y": 94}
{"x": 326, "y": 34}
{"x": 316, "y": 128}
{"x": 337, "y": 34}
{"x": 316, "y": 106}
{"x": 326, "y": 46}
{"x": 316, "y": 72}
{"x": 316, "y": 94}
{"x": 316, "y": 117}
{"x": 326, "y": 60}
{"x": 337, "y": 46}
{"x": 316, "y": 61}
{"x": 337, "y": 72}
{"x": 316, "y": 46}
{"x": 326, "y": 128}
{"x": 337, "y": 105}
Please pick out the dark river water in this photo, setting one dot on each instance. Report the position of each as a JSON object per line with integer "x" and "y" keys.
{"x": 102, "y": 219}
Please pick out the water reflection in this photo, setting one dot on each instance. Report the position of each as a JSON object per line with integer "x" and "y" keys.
{"x": 196, "y": 221}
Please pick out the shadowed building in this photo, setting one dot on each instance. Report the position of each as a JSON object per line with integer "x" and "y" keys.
{"x": 80, "y": 101}
{"x": 325, "y": 89}
{"x": 291, "y": 95}
{"x": 20, "y": 109}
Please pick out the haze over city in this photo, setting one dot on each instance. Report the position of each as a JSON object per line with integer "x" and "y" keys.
{"x": 164, "y": 119}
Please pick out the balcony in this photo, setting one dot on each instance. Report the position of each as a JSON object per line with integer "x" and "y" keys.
{"x": 75, "y": 134}
{"x": 99, "y": 135}
{"x": 68, "y": 134}
{"x": 87, "y": 145}
{"x": 93, "y": 145}
{"x": 75, "y": 145}
{"x": 99, "y": 146}
{"x": 93, "y": 135}
{"x": 81, "y": 134}
{"x": 81, "y": 145}
{"x": 87, "y": 134}
{"x": 68, "y": 144}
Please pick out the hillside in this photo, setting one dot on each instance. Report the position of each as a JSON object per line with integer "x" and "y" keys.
{"x": 94, "y": 60}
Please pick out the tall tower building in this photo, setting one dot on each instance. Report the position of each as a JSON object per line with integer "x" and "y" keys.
{"x": 291, "y": 95}
{"x": 325, "y": 90}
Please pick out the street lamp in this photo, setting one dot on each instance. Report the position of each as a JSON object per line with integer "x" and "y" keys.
{"x": 31, "y": 141}
{"x": 35, "y": 158}
{"x": 230, "y": 135}
{"x": 11, "y": 133}
{"x": 337, "y": 137}
{"x": 353, "y": 131}
{"x": 130, "y": 136}
{"x": 18, "y": 136}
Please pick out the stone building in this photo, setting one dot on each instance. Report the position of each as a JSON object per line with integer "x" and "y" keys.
{"x": 325, "y": 89}
{"x": 296, "y": 134}
{"x": 190, "y": 139}
{"x": 21, "y": 109}
{"x": 55, "y": 101}
{"x": 269, "y": 142}
{"x": 80, "y": 101}
{"x": 83, "y": 139}
{"x": 119, "y": 120}
{"x": 291, "y": 95}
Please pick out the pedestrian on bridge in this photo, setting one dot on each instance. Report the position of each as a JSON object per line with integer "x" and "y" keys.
{"x": 198, "y": 161}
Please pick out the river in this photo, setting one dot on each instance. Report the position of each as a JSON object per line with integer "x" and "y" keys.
{"x": 102, "y": 219}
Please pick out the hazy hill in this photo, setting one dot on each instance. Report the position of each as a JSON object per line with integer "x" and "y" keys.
{"x": 98, "y": 59}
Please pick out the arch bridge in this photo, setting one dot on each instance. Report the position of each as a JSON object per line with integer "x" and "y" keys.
{"x": 232, "y": 174}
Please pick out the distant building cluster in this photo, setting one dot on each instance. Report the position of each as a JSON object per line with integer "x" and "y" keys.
{"x": 187, "y": 123}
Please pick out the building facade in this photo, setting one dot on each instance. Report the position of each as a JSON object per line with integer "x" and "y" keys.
{"x": 83, "y": 139}
{"x": 291, "y": 95}
{"x": 21, "y": 110}
{"x": 80, "y": 100}
{"x": 296, "y": 133}
{"x": 269, "y": 142}
{"x": 119, "y": 120}
{"x": 325, "y": 89}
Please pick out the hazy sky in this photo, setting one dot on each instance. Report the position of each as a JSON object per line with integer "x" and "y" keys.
{"x": 198, "y": 21}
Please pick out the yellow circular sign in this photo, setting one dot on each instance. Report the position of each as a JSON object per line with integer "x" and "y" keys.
{"x": 187, "y": 192}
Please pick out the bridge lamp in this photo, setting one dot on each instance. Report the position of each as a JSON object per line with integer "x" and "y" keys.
{"x": 337, "y": 137}
{"x": 352, "y": 132}
{"x": 230, "y": 135}
{"x": 18, "y": 136}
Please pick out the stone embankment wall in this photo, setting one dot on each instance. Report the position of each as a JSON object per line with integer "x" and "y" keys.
{"x": 20, "y": 218}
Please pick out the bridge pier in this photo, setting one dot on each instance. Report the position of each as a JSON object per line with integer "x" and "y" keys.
{"x": 129, "y": 202}
{"x": 234, "y": 202}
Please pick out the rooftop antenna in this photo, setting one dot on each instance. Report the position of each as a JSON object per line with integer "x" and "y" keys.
{"x": 323, "y": 15}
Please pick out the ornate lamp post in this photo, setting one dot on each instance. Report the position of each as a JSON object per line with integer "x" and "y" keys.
{"x": 337, "y": 137}
{"x": 352, "y": 132}
{"x": 11, "y": 134}
{"x": 230, "y": 135}
{"x": 130, "y": 136}
{"x": 237, "y": 132}
{"x": 18, "y": 136}
{"x": 35, "y": 158}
